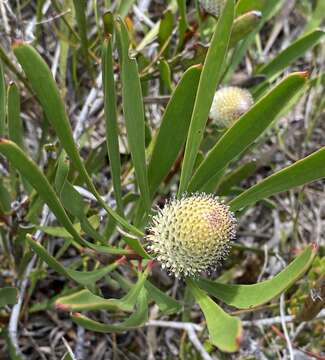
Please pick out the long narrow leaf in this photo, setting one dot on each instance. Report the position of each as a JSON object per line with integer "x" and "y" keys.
{"x": 111, "y": 120}
{"x": 174, "y": 127}
{"x": 246, "y": 130}
{"x": 37, "y": 179}
{"x": 291, "y": 53}
{"x": 133, "y": 112}
{"x": 137, "y": 319}
{"x": 247, "y": 296}
{"x": 210, "y": 76}
{"x": 15, "y": 127}
{"x": 80, "y": 277}
{"x": 2, "y": 101}
{"x": 86, "y": 300}
{"x": 306, "y": 170}
{"x": 49, "y": 96}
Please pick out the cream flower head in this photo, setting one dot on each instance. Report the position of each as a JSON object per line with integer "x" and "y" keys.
{"x": 229, "y": 103}
{"x": 192, "y": 234}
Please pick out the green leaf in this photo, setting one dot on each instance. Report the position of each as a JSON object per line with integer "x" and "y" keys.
{"x": 5, "y": 199}
{"x": 165, "y": 30}
{"x": 133, "y": 112}
{"x": 37, "y": 179}
{"x": 316, "y": 18}
{"x": 225, "y": 331}
{"x": 111, "y": 120}
{"x": 165, "y": 75}
{"x": 137, "y": 319}
{"x": 247, "y": 296}
{"x": 49, "y": 96}
{"x": 268, "y": 8}
{"x": 80, "y": 277}
{"x": 210, "y": 77}
{"x": 244, "y": 6}
{"x": 246, "y": 129}
{"x": 182, "y": 23}
{"x": 306, "y": 170}
{"x": 236, "y": 176}
{"x": 2, "y": 101}
{"x": 124, "y": 7}
{"x": 102, "y": 249}
{"x": 80, "y": 7}
{"x": 15, "y": 127}
{"x": 243, "y": 25}
{"x": 291, "y": 53}
{"x": 136, "y": 246}
{"x": 61, "y": 232}
{"x": 72, "y": 201}
{"x": 86, "y": 300}
{"x": 8, "y": 296}
{"x": 61, "y": 173}
{"x": 175, "y": 121}
{"x": 167, "y": 305}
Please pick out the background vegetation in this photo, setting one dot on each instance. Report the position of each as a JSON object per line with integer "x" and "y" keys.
{"x": 104, "y": 111}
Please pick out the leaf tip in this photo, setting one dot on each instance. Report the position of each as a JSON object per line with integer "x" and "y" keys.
{"x": 257, "y": 14}
{"x": 61, "y": 307}
{"x": 122, "y": 260}
{"x": 76, "y": 314}
{"x": 151, "y": 264}
{"x": 4, "y": 141}
{"x": 17, "y": 43}
{"x": 239, "y": 338}
{"x": 303, "y": 74}
{"x": 314, "y": 247}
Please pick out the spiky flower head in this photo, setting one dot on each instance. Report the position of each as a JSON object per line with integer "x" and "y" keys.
{"x": 192, "y": 234}
{"x": 229, "y": 103}
{"x": 213, "y": 7}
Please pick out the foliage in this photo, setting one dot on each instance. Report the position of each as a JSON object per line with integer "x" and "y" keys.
{"x": 157, "y": 162}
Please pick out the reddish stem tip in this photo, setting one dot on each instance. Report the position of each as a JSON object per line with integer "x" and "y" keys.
{"x": 61, "y": 307}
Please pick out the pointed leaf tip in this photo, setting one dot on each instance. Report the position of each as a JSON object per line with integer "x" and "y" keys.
{"x": 17, "y": 43}
{"x": 61, "y": 307}
{"x": 304, "y": 74}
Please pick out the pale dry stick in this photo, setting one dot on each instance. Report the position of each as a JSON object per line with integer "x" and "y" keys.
{"x": 142, "y": 17}
{"x": 53, "y": 17}
{"x": 80, "y": 124}
{"x": 151, "y": 337}
{"x": 79, "y": 349}
{"x": 85, "y": 193}
{"x": 174, "y": 324}
{"x": 284, "y": 326}
{"x": 22, "y": 286}
{"x": 246, "y": 323}
{"x": 266, "y": 260}
{"x": 4, "y": 17}
{"x": 278, "y": 26}
{"x": 56, "y": 59}
{"x": 36, "y": 348}
{"x": 30, "y": 28}
{"x": 197, "y": 344}
{"x": 69, "y": 349}
{"x": 278, "y": 320}
{"x": 282, "y": 316}
{"x": 144, "y": 5}
{"x": 190, "y": 328}
{"x": 139, "y": 11}
{"x": 126, "y": 234}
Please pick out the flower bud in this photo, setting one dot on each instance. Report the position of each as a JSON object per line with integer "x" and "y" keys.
{"x": 229, "y": 103}
{"x": 213, "y": 7}
{"x": 192, "y": 234}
